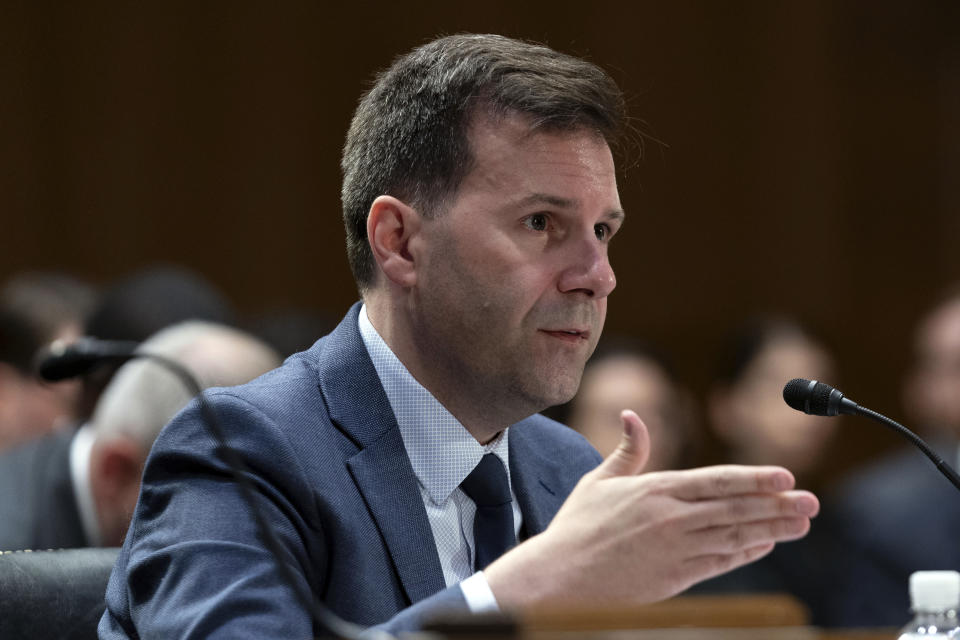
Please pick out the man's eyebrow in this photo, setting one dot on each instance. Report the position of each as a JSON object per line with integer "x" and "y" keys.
{"x": 617, "y": 215}
{"x": 546, "y": 198}
{"x": 565, "y": 203}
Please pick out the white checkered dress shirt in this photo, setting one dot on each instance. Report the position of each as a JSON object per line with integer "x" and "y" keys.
{"x": 442, "y": 453}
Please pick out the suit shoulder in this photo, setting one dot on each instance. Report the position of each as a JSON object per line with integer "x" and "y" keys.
{"x": 542, "y": 423}
{"x": 279, "y": 412}
{"x": 293, "y": 384}
{"x": 555, "y": 440}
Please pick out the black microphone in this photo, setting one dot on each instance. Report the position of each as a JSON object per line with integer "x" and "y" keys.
{"x": 820, "y": 399}
{"x": 62, "y": 360}
{"x": 817, "y": 398}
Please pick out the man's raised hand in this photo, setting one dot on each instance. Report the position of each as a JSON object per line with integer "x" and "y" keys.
{"x": 624, "y": 536}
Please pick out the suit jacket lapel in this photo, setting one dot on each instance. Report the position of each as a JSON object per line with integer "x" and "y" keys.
{"x": 359, "y": 408}
{"x": 535, "y": 479}
{"x": 383, "y": 474}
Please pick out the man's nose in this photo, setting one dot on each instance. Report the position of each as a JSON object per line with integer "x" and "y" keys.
{"x": 588, "y": 269}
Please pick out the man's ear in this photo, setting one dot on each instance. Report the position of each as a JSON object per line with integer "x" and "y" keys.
{"x": 116, "y": 468}
{"x": 390, "y": 226}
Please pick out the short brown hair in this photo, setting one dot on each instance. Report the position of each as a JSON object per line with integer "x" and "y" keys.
{"x": 408, "y": 137}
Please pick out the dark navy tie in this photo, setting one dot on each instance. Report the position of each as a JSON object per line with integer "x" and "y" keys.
{"x": 493, "y": 532}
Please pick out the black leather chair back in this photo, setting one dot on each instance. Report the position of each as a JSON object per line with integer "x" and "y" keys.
{"x": 53, "y": 594}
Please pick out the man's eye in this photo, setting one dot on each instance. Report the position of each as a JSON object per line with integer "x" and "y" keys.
{"x": 602, "y": 231}
{"x": 536, "y": 222}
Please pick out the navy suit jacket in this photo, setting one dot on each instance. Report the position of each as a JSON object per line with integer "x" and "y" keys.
{"x": 331, "y": 473}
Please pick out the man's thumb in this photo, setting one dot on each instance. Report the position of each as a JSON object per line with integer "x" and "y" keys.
{"x": 634, "y": 449}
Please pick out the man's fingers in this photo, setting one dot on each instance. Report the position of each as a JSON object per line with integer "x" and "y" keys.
{"x": 725, "y": 480}
{"x": 710, "y": 565}
{"x": 734, "y": 538}
{"x": 756, "y": 506}
{"x": 632, "y": 453}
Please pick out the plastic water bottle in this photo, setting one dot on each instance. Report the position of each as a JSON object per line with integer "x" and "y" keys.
{"x": 934, "y": 599}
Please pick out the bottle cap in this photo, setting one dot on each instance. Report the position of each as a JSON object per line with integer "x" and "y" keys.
{"x": 935, "y": 590}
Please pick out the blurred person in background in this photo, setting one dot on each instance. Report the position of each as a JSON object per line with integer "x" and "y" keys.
{"x": 900, "y": 515}
{"x": 625, "y": 374}
{"x": 745, "y": 406}
{"x": 142, "y": 303}
{"x": 36, "y": 309}
{"x": 748, "y": 416}
{"x": 76, "y": 490}
{"x": 932, "y": 388}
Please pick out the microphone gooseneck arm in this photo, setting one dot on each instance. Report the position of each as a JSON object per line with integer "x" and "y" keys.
{"x": 938, "y": 462}
{"x": 820, "y": 399}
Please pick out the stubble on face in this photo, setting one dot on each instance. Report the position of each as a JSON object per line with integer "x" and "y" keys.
{"x": 487, "y": 310}
{"x": 471, "y": 328}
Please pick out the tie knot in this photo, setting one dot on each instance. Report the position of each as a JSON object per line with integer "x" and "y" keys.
{"x": 487, "y": 484}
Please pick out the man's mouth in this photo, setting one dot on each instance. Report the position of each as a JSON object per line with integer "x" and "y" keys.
{"x": 569, "y": 335}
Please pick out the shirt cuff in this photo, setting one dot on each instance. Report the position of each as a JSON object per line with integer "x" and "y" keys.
{"x": 478, "y": 594}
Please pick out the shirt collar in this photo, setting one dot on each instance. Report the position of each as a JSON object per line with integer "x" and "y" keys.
{"x": 80, "y": 448}
{"x": 441, "y": 450}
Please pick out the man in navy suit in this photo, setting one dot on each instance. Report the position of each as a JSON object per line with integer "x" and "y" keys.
{"x": 479, "y": 200}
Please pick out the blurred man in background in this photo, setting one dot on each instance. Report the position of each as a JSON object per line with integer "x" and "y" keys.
{"x": 77, "y": 490}
{"x": 900, "y": 514}
{"x": 35, "y": 310}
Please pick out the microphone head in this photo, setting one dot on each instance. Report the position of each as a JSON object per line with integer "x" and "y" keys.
{"x": 61, "y": 361}
{"x": 815, "y": 398}
{"x": 797, "y": 392}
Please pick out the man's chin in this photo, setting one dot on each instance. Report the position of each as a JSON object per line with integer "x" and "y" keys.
{"x": 560, "y": 390}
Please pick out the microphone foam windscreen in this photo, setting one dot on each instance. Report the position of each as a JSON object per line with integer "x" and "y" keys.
{"x": 796, "y": 392}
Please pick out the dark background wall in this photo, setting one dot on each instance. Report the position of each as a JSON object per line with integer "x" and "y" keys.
{"x": 808, "y": 157}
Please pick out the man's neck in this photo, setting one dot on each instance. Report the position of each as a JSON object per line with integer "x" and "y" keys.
{"x": 483, "y": 420}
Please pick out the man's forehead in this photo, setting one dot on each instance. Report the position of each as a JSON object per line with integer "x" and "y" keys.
{"x": 491, "y": 136}
{"x": 523, "y": 127}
